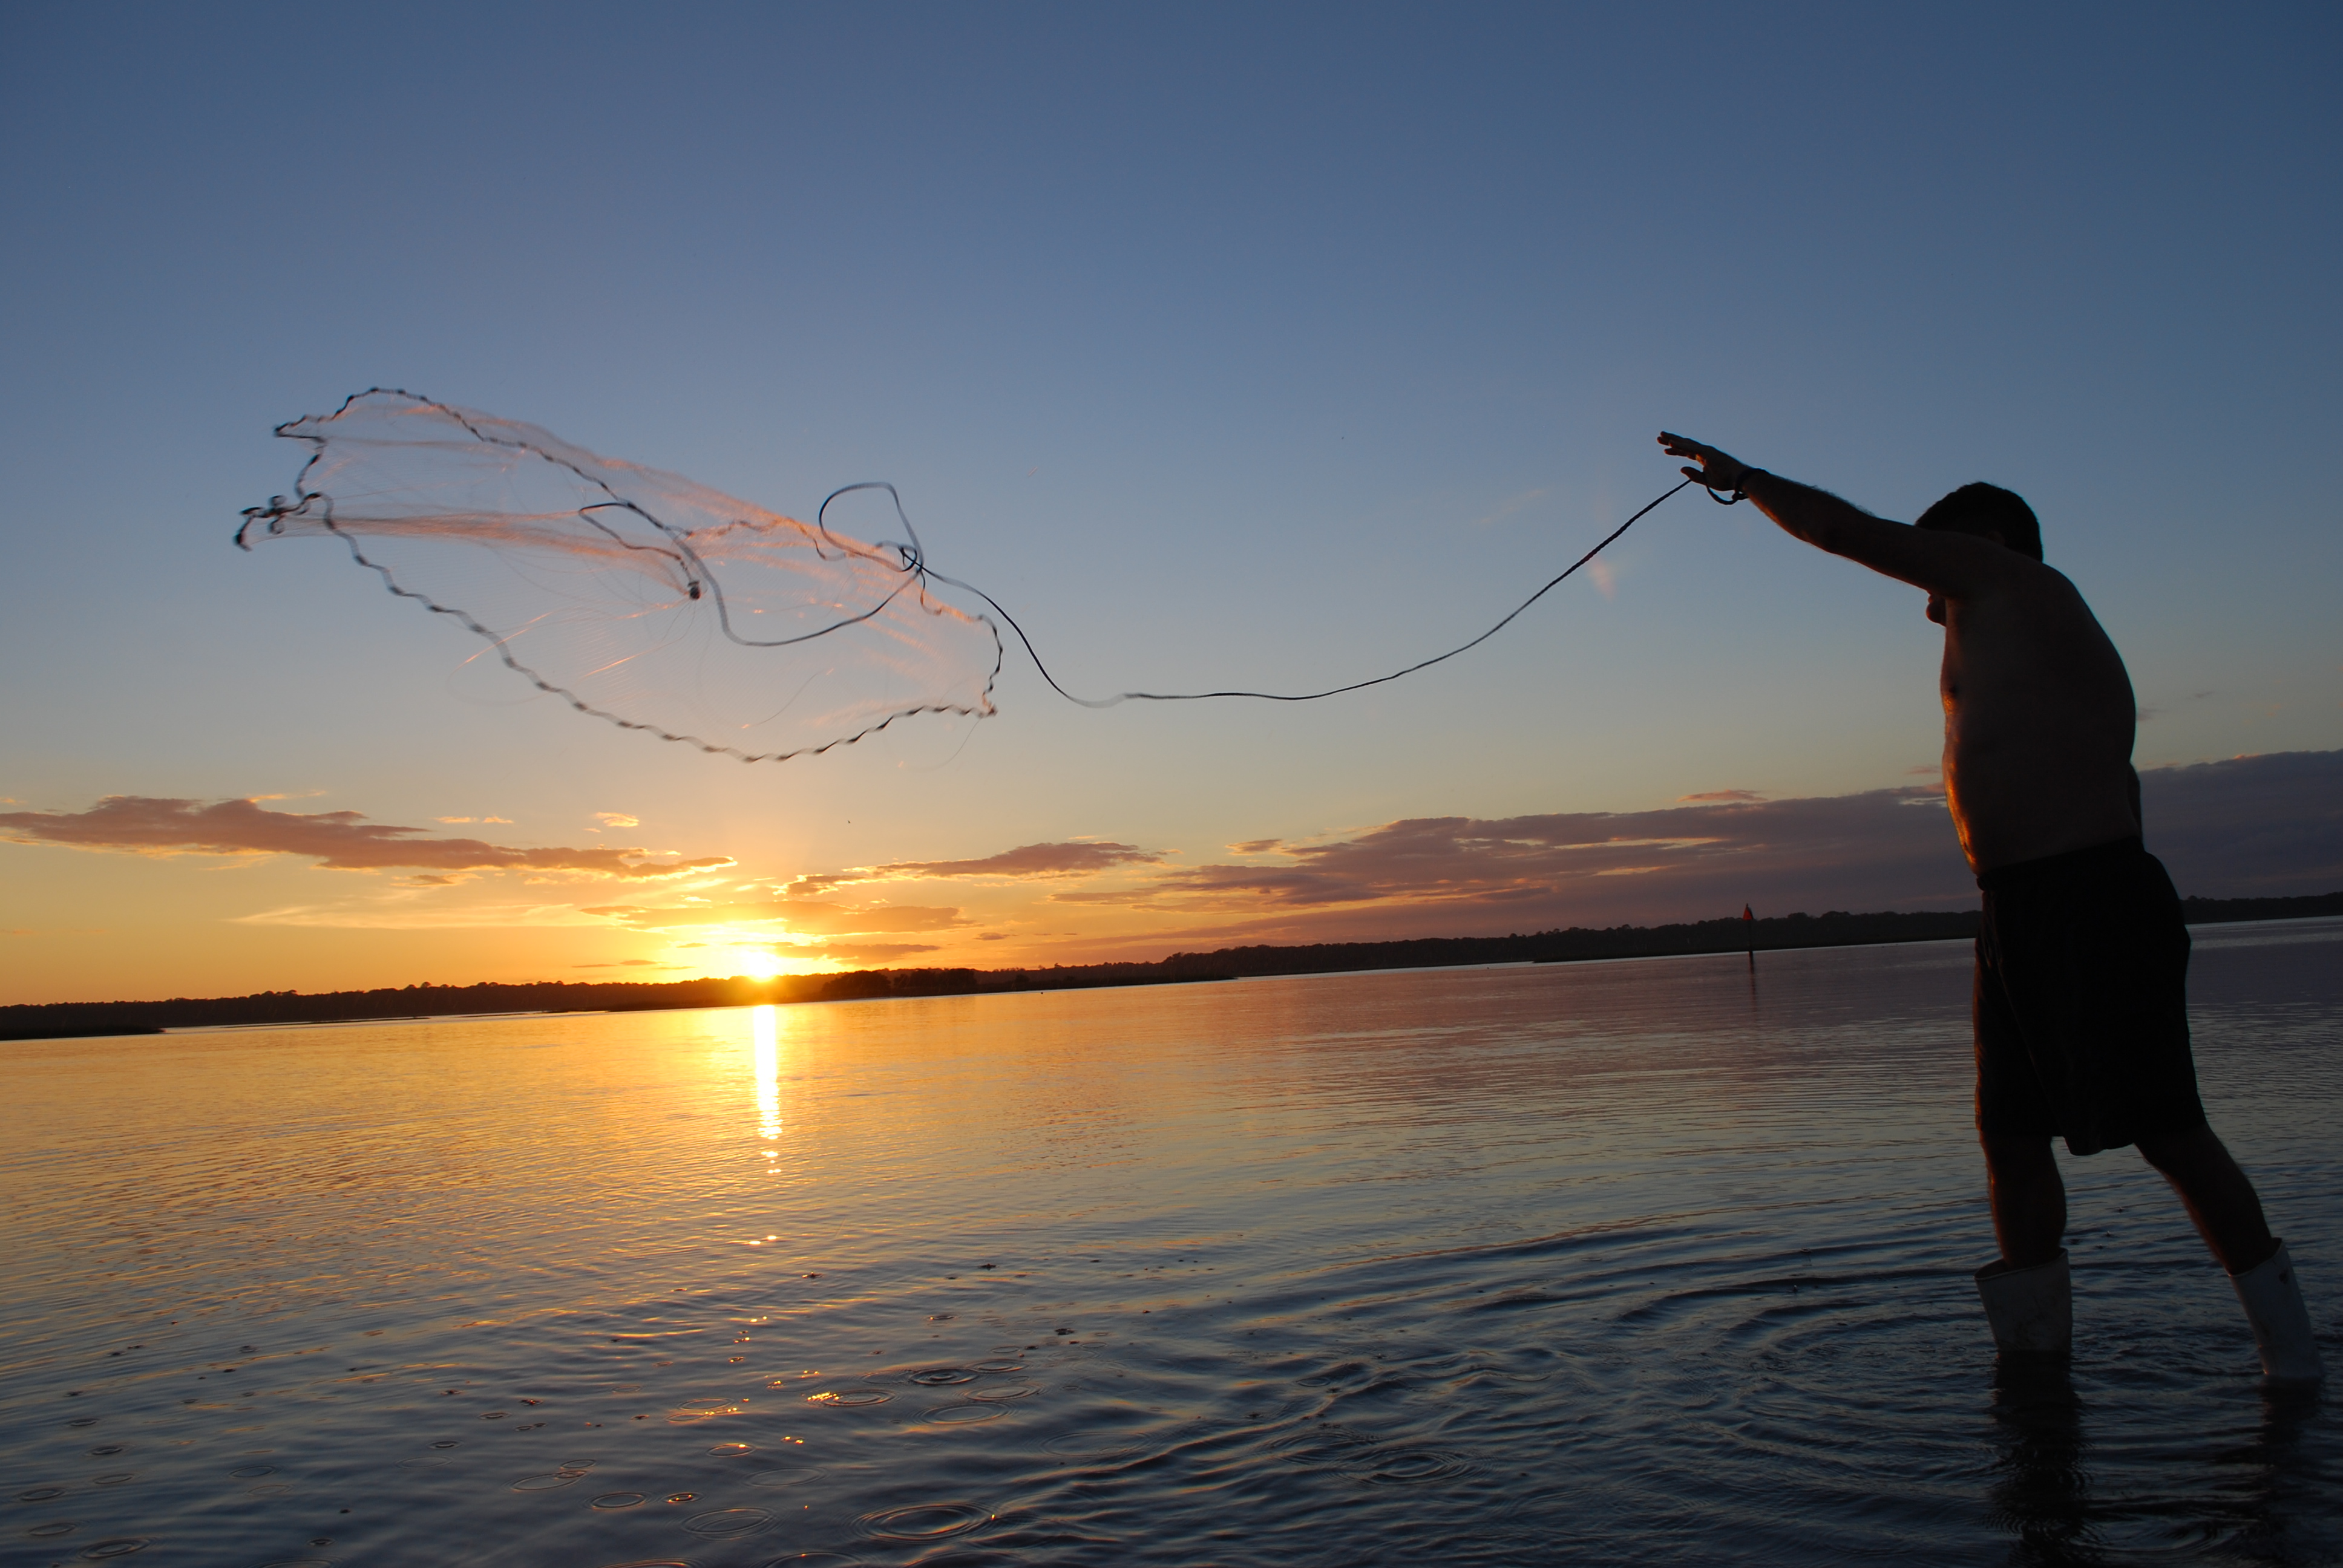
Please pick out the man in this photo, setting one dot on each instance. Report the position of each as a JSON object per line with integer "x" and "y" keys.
{"x": 2080, "y": 1022}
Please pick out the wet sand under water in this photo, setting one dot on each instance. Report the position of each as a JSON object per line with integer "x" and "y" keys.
{"x": 1610, "y": 1264}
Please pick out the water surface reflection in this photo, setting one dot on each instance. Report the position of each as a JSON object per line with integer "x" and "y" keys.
{"x": 1620, "y": 1263}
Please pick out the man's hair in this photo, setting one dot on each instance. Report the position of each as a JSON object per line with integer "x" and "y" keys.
{"x": 1988, "y": 510}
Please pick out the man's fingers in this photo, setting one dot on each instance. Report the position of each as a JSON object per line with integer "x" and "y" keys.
{"x": 1711, "y": 461}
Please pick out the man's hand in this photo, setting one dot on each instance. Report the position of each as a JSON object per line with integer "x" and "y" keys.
{"x": 1949, "y": 565}
{"x": 1717, "y": 470}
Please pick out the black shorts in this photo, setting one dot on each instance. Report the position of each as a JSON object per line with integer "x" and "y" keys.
{"x": 2082, "y": 1019}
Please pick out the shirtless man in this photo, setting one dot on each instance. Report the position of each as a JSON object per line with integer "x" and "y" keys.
{"x": 2080, "y": 1021}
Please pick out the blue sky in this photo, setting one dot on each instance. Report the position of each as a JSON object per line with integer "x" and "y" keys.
{"x": 1241, "y": 345}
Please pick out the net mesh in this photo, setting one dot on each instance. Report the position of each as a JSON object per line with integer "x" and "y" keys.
{"x": 635, "y": 596}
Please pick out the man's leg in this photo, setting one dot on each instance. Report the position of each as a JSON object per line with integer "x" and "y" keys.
{"x": 2028, "y": 1199}
{"x": 2229, "y": 1215}
{"x": 2025, "y": 1293}
{"x": 2220, "y": 1200}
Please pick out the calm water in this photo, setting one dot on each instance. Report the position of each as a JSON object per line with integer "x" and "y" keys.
{"x": 1607, "y": 1264}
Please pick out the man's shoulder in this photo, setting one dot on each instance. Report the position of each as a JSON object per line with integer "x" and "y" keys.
{"x": 2021, "y": 578}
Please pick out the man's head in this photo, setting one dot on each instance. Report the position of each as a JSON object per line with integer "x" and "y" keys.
{"x": 1990, "y": 512}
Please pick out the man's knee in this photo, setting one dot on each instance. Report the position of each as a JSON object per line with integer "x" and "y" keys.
{"x": 2020, "y": 1157}
{"x": 2188, "y": 1149}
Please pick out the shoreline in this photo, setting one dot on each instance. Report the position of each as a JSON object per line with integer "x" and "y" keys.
{"x": 266, "y": 1009}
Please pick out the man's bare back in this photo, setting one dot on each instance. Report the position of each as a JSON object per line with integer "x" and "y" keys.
{"x": 2039, "y": 712}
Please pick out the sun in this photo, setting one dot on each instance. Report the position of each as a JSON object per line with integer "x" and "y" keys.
{"x": 757, "y": 963}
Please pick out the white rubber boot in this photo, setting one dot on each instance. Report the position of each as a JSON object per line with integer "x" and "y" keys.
{"x": 2029, "y": 1309}
{"x": 2273, "y": 1302}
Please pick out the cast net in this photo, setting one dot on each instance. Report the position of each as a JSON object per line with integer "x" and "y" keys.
{"x": 635, "y": 596}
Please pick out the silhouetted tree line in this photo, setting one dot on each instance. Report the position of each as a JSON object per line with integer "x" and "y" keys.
{"x": 1836, "y": 928}
{"x": 70, "y": 1020}
{"x": 1578, "y": 944}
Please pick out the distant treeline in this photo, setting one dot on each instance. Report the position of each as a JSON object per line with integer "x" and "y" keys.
{"x": 56, "y": 1020}
{"x": 1836, "y": 930}
{"x": 72, "y": 1019}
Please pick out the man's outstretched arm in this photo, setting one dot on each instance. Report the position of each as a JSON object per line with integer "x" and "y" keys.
{"x": 1956, "y": 565}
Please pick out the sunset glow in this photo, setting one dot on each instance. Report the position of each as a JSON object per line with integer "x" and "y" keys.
{"x": 1305, "y": 392}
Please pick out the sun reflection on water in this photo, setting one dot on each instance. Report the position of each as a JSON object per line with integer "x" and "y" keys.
{"x": 765, "y": 1046}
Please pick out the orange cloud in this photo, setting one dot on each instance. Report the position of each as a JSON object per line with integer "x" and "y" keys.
{"x": 336, "y": 840}
{"x": 1553, "y": 869}
{"x": 874, "y": 953}
{"x": 1723, "y": 795}
{"x": 802, "y": 916}
{"x": 1073, "y": 859}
